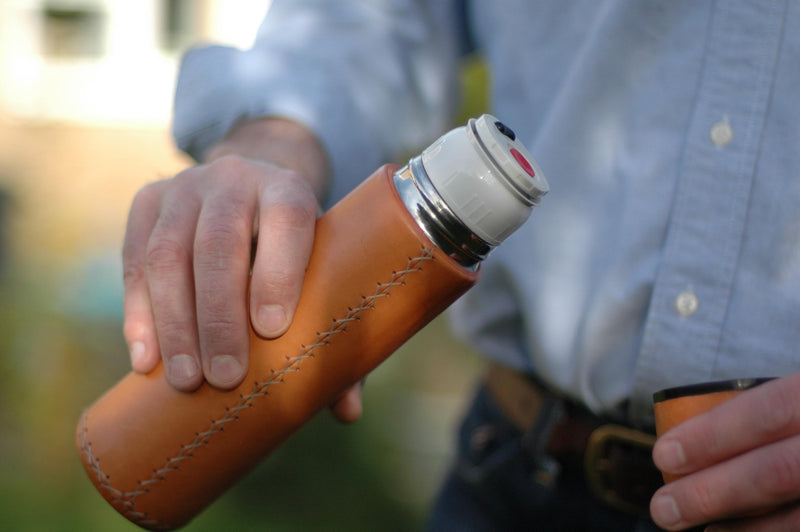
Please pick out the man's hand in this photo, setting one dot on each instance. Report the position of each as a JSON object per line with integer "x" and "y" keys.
{"x": 740, "y": 459}
{"x": 186, "y": 262}
{"x": 187, "y": 255}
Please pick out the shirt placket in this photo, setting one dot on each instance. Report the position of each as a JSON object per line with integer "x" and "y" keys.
{"x": 693, "y": 286}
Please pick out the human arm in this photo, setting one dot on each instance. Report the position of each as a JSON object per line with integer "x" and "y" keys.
{"x": 349, "y": 72}
{"x": 739, "y": 458}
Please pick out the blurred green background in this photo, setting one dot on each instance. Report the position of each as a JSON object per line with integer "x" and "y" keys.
{"x": 84, "y": 108}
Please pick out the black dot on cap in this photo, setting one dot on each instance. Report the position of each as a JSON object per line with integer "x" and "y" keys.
{"x": 505, "y": 130}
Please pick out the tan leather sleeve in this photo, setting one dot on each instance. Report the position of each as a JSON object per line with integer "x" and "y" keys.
{"x": 160, "y": 456}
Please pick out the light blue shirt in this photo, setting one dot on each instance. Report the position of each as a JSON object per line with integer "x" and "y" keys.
{"x": 668, "y": 251}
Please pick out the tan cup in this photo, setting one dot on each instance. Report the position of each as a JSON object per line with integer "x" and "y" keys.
{"x": 673, "y": 406}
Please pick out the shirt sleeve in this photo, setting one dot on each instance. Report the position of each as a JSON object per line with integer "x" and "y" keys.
{"x": 372, "y": 79}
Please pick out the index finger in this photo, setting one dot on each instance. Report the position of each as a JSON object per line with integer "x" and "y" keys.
{"x": 287, "y": 218}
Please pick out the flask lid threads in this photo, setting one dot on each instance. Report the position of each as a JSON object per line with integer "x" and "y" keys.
{"x": 436, "y": 219}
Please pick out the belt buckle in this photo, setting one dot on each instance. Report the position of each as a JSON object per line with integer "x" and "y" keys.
{"x": 619, "y": 469}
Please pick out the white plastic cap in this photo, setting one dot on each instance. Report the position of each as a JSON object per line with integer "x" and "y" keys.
{"x": 486, "y": 176}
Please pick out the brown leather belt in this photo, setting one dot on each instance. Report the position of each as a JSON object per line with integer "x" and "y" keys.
{"x": 616, "y": 460}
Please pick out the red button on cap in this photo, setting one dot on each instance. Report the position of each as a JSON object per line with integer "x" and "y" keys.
{"x": 523, "y": 162}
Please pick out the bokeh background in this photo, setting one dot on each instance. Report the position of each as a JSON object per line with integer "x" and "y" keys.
{"x": 85, "y": 97}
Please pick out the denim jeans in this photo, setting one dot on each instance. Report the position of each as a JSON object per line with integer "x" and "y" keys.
{"x": 495, "y": 484}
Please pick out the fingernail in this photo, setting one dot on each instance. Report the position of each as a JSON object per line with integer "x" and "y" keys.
{"x": 138, "y": 353}
{"x": 183, "y": 368}
{"x": 665, "y": 510}
{"x": 670, "y": 456}
{"x": 271, "y": 320}
{"x": 225, "y": 370}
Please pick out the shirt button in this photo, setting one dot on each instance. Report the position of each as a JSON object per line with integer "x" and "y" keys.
{"x": 686, "y": 303}
{"x": 721, "y": 133}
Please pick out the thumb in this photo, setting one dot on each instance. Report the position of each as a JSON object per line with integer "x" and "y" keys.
{"x": 348, "y": 407}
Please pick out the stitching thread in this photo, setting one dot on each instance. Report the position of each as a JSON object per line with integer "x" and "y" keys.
{"x": 125, "y": 501}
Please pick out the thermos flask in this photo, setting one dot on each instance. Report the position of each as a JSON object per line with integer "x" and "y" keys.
{"x": 387, "y": 259}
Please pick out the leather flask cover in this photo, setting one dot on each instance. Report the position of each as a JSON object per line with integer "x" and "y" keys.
{"x": 160, "y": 456}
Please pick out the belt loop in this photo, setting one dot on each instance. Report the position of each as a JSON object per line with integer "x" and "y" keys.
{"x": 535, "y": 440}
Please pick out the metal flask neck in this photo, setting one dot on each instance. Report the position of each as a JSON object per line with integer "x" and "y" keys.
{"x": 436, "y": 218}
